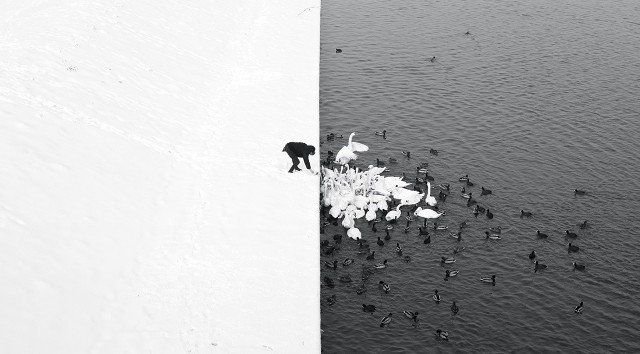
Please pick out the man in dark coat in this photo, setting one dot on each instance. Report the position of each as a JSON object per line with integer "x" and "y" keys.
{"x": 295, "y": 150}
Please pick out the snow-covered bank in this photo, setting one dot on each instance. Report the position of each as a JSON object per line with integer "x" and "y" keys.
{"x": 145, "y": 204}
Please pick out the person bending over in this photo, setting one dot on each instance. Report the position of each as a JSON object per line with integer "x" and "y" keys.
{"x": 296, "y": 150}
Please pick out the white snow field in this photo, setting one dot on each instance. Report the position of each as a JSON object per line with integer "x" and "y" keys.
{"x": 144, "y": 201}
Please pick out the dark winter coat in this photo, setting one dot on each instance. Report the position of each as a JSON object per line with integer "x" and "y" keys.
{"x": 300, "y": 150}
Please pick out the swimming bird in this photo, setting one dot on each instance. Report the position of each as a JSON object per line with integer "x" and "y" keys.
{"x": 406, "y": 153}
{"x": 421, "y": 169}
{"x": 386, "y": 287}
{"x": 412, "y": 315}
{"x": 539, "y": 266}
{"x": 578, "y": 266}
{"x": 571, "y": 234}
{"x": 338, "y": 50}
{"x": 480, "y": 208}
{"x": 444, "y": 186}
{"x": 433, "y": 152}
{"x": 458, "y": 249}
{"x": 492, "y": 236}
{"x": 450, "y": 274}
{"x": 583, "y": 225}
{"x": 532, "y": 255}
{"x": 347, "y": 153}
{"x": 464, "y": 178}
{"x": 429, "y": 199}
{"x": 331, "y": 300}
{"x": 447, "y": 260}
{"x": 333, "y": 264}
{"x": 427, "y": 213}
{"x": 579, "y": 192}
{"x": 467, "y": 196}
{"x": 572, "y": 248}
{"x": 579, "y": 308}
{"x": 436, "y": 297}
{"x": 485, "y": 191}
{"x": 368, "y": 308}
{"x": 433, "y": 60}
{"x": 382, "y": 133}
{"x": 385, "y": 320}
{"x": 525, "y": 213}
{"x": 469, "y": 183}
{"x": 456, "y": 235}
{"x": 437, "y": 227}
{"x": 398, "y": 249}
{"x": 361, "y": 289}
{"x": 379, "y": 163}
{"x": 454, "y": 308}
{"x": 541, "y": 235}
{"x": 393, "y": 160}
{"x": 491, "y": 279}
{"x": 496, "y": 229}
{"x": 347, "y": 261}
{"x": 371, "y": 256}
{"x": 444, "y": 335}
{"x": 354, "y": 233}
{"x": 328, "y": 282}
{"x": 427, "y": 177}
{"x": 345, "y": 278}
{"x": 394, "y": 215}
{"x": 489, "y": 214}
{"x": 427, "y": 240}
{"x": 381, "y": 265}
{"x": 380, "y": 242}
{"x": 387, "y": 236}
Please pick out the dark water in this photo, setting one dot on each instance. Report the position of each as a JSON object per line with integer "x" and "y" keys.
{"x": 539, "y": 99}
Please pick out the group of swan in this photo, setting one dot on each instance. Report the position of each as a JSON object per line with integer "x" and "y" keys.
{"x": 352, "y": 194}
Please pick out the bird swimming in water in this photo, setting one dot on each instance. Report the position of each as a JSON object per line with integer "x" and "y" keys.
{"x": 491, "y": 279}
{"x": 571, "y": 234}
{"x": 386, "y": 287}
{"x": 433, "y": 60}
{"x": 368, "y": 308}
{"x": 539, "y": 266}
{"x": 427, "y": 240}
{"x": 454, "y": 308}
{"x": 331, "y": 300}
{"x": 579, "y": 192}
{"x": 492, "y": 236}
{"x": 541, "y": 235}
{"x": 436, "y": 297}
{"x": 579, "y": 308}
{"x": 398, "y": 249}
{"x": 489, "y": 214}
{"x": 371, "y": 256}
{"x": 347, "y": 261}
{"x": 578, "y": 266}
{"x": 525, "y": 213}
{"x": 382, "y": 133}
{"x": 338, "y": 50}
{"x": 485, "y": 191}
{"x": 381, "y": 265}
{"x": 385, "y": 320}
{"x": 532, "y": 255}
{"x": 380, "y": 242}
{"x": 447, "y": 260}
{"x": 572, "y": 248}
{"x": 444, "y": 335}
{"x": 412, "y": 315}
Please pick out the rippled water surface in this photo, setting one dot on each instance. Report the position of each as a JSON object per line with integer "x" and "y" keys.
{"x": 540, "y": 98}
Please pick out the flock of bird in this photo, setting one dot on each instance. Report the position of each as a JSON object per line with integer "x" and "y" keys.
{"x": 349, "y": 193}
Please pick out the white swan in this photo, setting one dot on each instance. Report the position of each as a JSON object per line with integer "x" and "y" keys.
{"x": 348, "y": 221}
{"x": 354, "y": 233}
{"x": 427, "y": 213}
{"x": 429, "y": 199}
{"x": 394, "y": 214}
{"x": 370, "y": 215}
{"x": 347, "y": 153}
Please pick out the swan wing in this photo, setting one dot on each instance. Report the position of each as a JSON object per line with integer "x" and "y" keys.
{"x": 355, "y": 146}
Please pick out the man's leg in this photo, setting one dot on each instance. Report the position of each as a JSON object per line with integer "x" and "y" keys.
{"x": 294, "y": 159}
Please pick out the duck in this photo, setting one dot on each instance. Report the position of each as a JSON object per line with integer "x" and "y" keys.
{"x": 480, "y": 208}
{"x": 379, "y": 163}
{"x": 527, "y": 214}
{"x": 331, "y": 300}
{"x": 456, "y": 235}
{"x": 333, "y": 264}
{"x": 381, "y": 265}
{"x": 371, "y": 256}
{"x": 469, "y": 183}
{"x": 454, "y": 308}
{"x": 579, "y": 308}
{"x": 578, "y": 266}
{"x": 433, "y": 60}
{"x": 437, "y": 227}
{"x": 467, "y": 196}
{"x": 382, "y": 133}
{"x": 491, "y": 236}
{"x": 491, "y": 279}
{"x": 539, "y": 266}
{"x": 541, "y": 235}
{"x": 368, "y": 308}
{"x": 328, "y": 282}
{"x": 387, "y": 236}
{"x": 384, "y": 286}
{"x": 450, "y": 274}
{"x": 436, "y": 297}
{"x": 464, "y": 178}
{"x": 583, "y": 225}
{"x": 496, "y": 229}
{"x": 380, "y": 242}
{"x": 406, "y": 259}
{"x": 398, "y": 248}
{"x": 532, "y": 255}
{"x": 447, "y": 260}
{"x": 338, "y": 50}
{"x": 386, "y": 320}
{"x": 442, "y": 196}
{"x": 393, "y": 160}
{"x": 579, "y": 192}
{"x": 458, "y": 249}
{"x": 572, "y": 248}
{"x": 406, "y": 153}
{"x": 345, "y": 279}
{"x": 423, "y": 231}
{"x": 361, "y": 289}
{"x": 427, "y": 240}
{"x": 571, "y": 234}
{"x": 444, "y": 335}
{"x": 444, "y": 186}
{"x": 433, "y": 152}
{"x": 489, "y": 214}
{"x": 421, "y": 169}
{"x": 347, "y": 261}
{"x": 485, "y": 191}
{"x": 428, "y": 178}
{"x": 412, "y": 315}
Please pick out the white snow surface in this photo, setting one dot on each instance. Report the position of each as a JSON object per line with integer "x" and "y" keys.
{"x": 145, "y": 205}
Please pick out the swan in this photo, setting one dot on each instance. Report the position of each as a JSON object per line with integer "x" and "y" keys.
{"x": 427, "y": 213}
{"x": 370, "y": 215}
{"x": 394, "y": 214}
{"x": 579, "y": 308}
{"x": 348, "y": 221}
{"x": 385, "y": 320}
{"x": 429, "y": 199}
{"x": 436, "y": 297}
{"x": 347, "y": 153}
{"x": 354, "y": 233}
